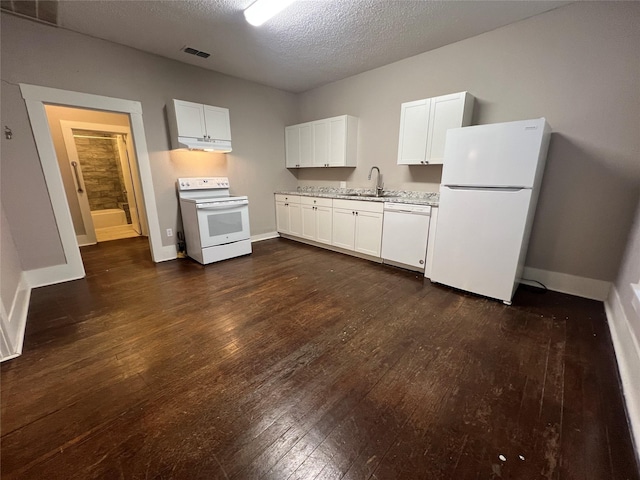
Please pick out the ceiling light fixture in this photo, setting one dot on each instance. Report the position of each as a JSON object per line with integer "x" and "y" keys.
{"x": 262, "y": 10}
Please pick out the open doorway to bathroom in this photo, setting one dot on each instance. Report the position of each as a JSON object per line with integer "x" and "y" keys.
{"x": 99, "y": 172}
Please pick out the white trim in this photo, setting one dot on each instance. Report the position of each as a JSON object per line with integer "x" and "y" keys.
{"x": 264, "y": 236}
{"x": 35, "y": 98}
{"x": 164, "y": 254}
{"x": 14, "y": 323}
{"x": 627, "y": 351}
{"x": 77, "y": 99}
{"x": 41, "y": 277}
{"x": 53, "y": 179}
{"x": 571, "y": 284}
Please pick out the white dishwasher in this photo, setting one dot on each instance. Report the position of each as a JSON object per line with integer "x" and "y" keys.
{"x": 405, "y": 233}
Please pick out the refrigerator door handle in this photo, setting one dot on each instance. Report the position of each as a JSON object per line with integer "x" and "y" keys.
{"x": 493, "y": 189}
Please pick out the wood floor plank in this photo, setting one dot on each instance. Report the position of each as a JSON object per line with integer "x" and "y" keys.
{"x": 297, "y": 362}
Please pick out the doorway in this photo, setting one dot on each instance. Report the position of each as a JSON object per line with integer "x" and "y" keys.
{"x": 98, "y": 166}
{"x": 105, "y": 181}
{"x": 36, "y": 98}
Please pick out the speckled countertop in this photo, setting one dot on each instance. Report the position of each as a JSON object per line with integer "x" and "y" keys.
{"x": 395, "y": 196}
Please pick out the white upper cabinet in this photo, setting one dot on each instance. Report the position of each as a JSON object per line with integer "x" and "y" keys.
{"x": 198, "y": 126}
{"x": 331, "y": 142}
{"x": 292, "y": 146}
{"x": 424, "y": 124}
{"x": 217, "y": 124}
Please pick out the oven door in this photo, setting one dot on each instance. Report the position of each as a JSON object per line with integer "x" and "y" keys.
{"x": 223, "y": 222}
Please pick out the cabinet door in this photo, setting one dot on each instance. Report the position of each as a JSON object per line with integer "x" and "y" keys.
{"x": 368, "y": 233}
{"x": 344, "y": 227}
{"x": 282, "y": 217}
{"x": 414, "y": 122}
{"x": 190, "y": 119}
{"x": 324, "y": 224}
{"x": 337, "y": 141}
{"x": 306, "y": 145}
{"x": 292, "y": 146}
{"x": 309, "y": 222}
{"x": 321, "y": 143}
{"x": 295, "y": 219}
{"x": 217, "y": 123}
{"x": 446, "y": 112}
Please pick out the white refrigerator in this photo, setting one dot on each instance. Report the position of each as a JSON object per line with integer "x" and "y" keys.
{"x": 490, "y": 184}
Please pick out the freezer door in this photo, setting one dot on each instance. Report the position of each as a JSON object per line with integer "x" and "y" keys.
{"x": 479, "y": 237}
{"x": 500, "y": 154}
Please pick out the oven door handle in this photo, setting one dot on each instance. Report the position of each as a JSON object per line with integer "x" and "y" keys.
{"x": 221, "y": 206}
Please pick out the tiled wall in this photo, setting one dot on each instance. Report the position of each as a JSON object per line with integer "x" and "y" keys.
{"x": 101, "y": 170}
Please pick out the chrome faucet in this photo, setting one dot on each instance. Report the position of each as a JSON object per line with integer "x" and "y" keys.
{"x": 379, "y": 185}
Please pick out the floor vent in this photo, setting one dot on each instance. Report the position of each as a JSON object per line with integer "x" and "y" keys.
{"x": 195, "y": 52}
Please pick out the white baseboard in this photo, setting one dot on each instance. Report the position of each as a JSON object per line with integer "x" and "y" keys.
{"x": 565, "y": 283}
{"x": 264, "y": 236}
{"x": 15, "y": 321}
{"x": 42, "y": 277}
{"x": 627, "y": 348}
{"x": 170, "y": 252}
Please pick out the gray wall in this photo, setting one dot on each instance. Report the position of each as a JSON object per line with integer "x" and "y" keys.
{"x": 578, "y": 66}
{"x": 41, "y": 55}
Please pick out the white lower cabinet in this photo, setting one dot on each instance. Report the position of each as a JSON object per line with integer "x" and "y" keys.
{"x": 357, "y": 226}
{"x": 348, "y": 224}
{"x": 288, "y": 214}
{"x": 316, "y": 218}
{"x": 344, "y": 227}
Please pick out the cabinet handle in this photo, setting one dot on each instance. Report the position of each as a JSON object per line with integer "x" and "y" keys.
{"x": 356, "y": 213}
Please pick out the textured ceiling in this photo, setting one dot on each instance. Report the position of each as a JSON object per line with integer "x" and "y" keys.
{"x": 311, "y": 43}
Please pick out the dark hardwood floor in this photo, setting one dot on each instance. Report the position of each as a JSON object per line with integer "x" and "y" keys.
{"x": 300, "y": 363}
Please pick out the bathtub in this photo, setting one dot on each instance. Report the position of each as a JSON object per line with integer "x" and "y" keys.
{"x": 110, "y": 217}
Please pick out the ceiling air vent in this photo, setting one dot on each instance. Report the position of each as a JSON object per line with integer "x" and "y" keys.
{"x": 45, "y": 11}
{"x": 195, "y": 52}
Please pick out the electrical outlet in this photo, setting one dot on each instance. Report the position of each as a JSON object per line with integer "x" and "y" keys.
{"x": 343, "y": 184}
{"x": 169, "y": 232}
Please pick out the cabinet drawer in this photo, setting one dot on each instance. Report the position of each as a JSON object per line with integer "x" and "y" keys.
{"x": 359, "y": 205}
{"x": 316, "y": 201}
{"x": 287, "y": 198}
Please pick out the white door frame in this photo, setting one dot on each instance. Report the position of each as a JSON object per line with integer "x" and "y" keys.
{"x": 35, "y": 98}
{"x": 67, "y": 127}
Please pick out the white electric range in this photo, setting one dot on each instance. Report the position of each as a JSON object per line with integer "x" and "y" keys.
{"x": 216, "y": 225}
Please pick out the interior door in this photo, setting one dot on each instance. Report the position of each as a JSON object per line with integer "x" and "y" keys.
{"x": 89, "y": 236}
{"x": 125, "y": 163}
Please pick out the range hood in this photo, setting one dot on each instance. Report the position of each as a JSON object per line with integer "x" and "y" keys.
{"x": 192, "y": 143}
